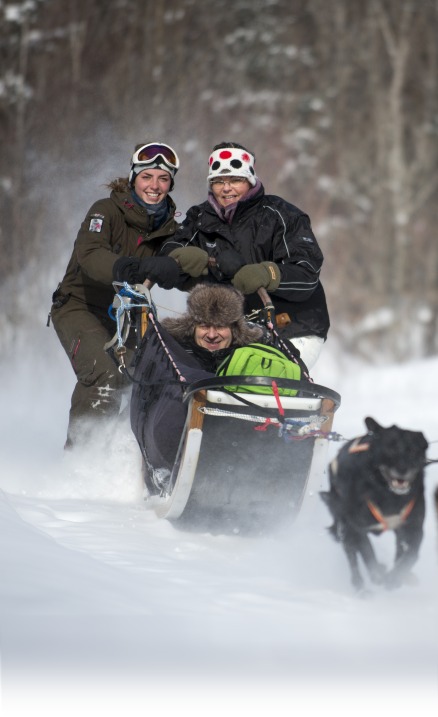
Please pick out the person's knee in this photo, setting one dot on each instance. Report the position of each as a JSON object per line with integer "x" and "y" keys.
{"x": 99, "y": 390}
{"x": 310, "y": 348}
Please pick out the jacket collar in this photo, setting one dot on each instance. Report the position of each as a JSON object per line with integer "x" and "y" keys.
{"x": 137, "y": 216}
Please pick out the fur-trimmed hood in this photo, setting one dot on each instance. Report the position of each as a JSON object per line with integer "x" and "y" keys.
{"x": 121, "y": 184}
{"x": 214, "y": 305}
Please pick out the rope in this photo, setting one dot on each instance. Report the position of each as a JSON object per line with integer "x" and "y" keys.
{"x": 166, "y": 350}
{"x": 291, "y": 429}
{"x": 276, "y": 393}
{"x": 207, "y": 410}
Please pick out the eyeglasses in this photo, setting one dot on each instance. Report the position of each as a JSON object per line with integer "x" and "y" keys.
{"x": 232, "y": 181}
{"x": 149, "y": 152}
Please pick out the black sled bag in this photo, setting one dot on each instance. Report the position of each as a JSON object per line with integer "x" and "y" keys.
{"x": 158, "y": 413}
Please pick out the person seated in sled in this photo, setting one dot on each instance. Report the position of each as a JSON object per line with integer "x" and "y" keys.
{"x": 213, "y": 325}
{"x": 118, "y": 241}
{"x": 242, "y": 236}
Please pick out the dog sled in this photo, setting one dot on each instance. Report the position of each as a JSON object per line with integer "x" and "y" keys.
{"x": 218, "y": 460}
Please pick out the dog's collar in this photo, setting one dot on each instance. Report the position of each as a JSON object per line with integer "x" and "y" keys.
{"x": 390, "y": 522}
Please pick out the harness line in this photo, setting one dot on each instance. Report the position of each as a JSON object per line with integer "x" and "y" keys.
{"x": 389, "y": 522}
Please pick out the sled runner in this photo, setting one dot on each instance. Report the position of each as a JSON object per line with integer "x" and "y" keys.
{"x": 216, "y": 459}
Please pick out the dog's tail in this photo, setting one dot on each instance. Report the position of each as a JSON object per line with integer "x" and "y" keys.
{"x": 327, "y": 498}
{"x": 333, "y": 530}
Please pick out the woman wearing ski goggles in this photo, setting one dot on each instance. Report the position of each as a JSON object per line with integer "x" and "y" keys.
{"x": 119, "y": 240}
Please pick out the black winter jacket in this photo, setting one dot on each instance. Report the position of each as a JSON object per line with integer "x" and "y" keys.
{"x": 266, "y": 228}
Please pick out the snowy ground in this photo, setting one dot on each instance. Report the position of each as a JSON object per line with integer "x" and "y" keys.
{"x": 105, "y": 609}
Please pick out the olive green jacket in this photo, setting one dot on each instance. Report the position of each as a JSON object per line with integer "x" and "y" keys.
{"x": 114, "y": 227}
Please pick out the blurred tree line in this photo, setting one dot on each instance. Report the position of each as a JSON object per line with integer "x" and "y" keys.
{"x": 338, "y": 100}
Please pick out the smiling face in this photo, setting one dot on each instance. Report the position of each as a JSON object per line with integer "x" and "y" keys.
{"x": 229, "y": 190}
{"x": 213, "y": 338}
{"x": 152, "y": 185}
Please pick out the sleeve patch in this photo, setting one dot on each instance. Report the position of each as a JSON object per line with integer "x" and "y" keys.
{"x": 96, "y": 224}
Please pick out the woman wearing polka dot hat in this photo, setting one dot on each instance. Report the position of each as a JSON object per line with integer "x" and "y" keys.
{"x": 257, "y": 240}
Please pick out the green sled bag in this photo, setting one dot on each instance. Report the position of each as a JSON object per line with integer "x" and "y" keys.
{"x": 259, "y": 360}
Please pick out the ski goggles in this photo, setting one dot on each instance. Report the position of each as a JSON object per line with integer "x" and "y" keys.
{"x": 149, "y": 153}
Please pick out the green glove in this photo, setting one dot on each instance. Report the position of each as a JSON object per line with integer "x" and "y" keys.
{"x": 254, "y": 276}
{"x": 192, "y": 260}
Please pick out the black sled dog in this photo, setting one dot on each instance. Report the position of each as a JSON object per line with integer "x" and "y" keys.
{"x": 377, "y": 484}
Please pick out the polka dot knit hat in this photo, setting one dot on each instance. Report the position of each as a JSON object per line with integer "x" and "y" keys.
{"x": 233, "y": 161}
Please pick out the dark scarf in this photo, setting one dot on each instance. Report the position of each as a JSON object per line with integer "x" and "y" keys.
{"x": 159, "y": 211}
{"x": 209, "y": 360}
{"x": 227, "y": 213}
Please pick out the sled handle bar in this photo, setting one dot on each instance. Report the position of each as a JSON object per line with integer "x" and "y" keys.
{"x": 266, "y": 299}
{"x": 304, "y": 387}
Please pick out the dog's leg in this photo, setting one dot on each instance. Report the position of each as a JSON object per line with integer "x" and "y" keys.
{"x": 345, "y": 535}
{"x": 375, "y": 569}
{"x": 329, "y": 498}
{"x": 408, "y": 541}
{"x": 350, "y": 542}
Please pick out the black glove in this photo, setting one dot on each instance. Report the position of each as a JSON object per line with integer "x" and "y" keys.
{"x": 229, "y": 262}
{"x": 254, "y": 276}
{"x": 126, "y": 269}
{"x": 161, "y": 270}
{"x": 192, "y": 260}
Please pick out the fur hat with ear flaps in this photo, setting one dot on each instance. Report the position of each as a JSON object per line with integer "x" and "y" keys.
{"x": 214, "y": 305}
